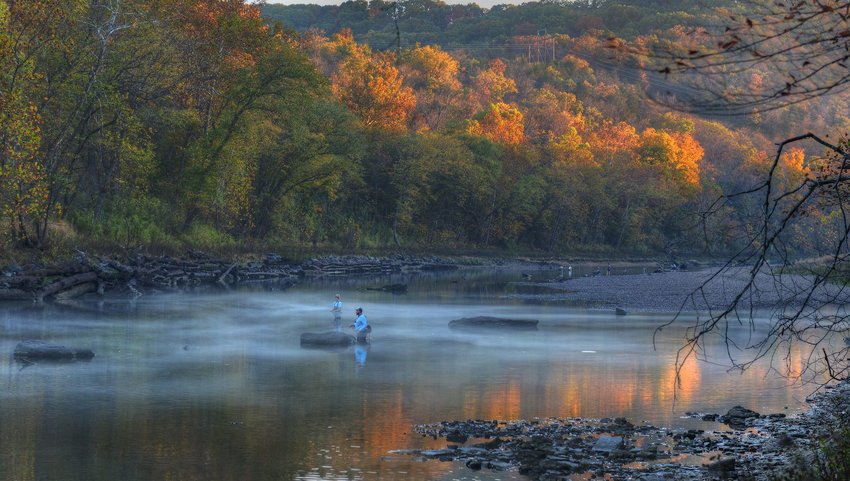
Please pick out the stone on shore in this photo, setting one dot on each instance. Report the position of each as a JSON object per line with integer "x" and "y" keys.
{"x": 32, "y": 351}
{"x": 326, "y": 339}
{"x": 740, "y": 417}
{"x": 487, "y": 322}
{"x": 608, "y": 444}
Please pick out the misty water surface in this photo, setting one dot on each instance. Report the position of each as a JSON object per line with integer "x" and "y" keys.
{"x": 214, "y": 386}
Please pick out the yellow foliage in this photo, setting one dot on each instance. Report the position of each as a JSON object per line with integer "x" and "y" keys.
{"x": 436, "y": 68}
{"x": 679, "y": 152}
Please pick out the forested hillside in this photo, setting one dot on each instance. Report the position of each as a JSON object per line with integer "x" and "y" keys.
{"x": 212, "y": 123}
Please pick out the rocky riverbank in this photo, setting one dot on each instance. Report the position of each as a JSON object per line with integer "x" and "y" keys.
{"x": 745, "y": 445}
{"x": 140, "y": 274}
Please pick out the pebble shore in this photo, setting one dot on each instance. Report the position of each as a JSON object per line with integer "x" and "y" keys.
{"x": 746, "y": 445}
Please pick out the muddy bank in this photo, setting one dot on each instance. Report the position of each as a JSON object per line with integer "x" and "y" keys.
{"x": 744, "y": 445}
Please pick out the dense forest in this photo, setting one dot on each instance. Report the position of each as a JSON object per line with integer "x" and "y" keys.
{"x": 213, "y": 123}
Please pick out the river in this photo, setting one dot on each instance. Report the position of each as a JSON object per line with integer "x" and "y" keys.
{"x": 213, "y": 385}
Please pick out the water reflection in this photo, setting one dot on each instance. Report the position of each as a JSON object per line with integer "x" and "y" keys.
{"x": 214, "y": 386}
{"x": 360, "y": 351}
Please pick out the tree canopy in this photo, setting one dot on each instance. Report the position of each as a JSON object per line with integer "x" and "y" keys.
{"x": 213, "y": 123}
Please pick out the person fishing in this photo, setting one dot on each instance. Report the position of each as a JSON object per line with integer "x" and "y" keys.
{"x": 361, "y": 326}
{"x": 336, "y": 309}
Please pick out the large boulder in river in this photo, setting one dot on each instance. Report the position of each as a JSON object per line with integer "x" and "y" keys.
{"x": 327, "y": 339}
{"x": 487, "y": 322}
{"x": 33, "y": 351}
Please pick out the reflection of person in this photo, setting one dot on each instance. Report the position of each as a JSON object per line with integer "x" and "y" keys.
{"x": 360, "y": 355}
{"x": 361, "y": 325}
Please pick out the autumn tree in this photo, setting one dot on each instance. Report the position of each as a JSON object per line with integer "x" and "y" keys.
{"x": 491, "y": 85}
{"x": 433, "y": 74}
{"x": 372, "y": 87}
{"x": 500, "y": 123}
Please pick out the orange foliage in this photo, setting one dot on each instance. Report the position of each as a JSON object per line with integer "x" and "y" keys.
{"x": 611, "y": 138}
{"x": 371, "y": 86}
{"x": 491, "y": 85}
{"x": 501, "y": 123}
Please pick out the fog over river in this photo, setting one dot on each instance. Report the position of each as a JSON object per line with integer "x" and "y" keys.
{"x": 214, "y": 386}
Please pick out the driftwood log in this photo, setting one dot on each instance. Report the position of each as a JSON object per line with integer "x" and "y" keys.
{"x": 33, "y": 351}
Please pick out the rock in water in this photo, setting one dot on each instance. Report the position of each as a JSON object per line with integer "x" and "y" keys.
{"x": 620, "y": 311}
{"x": 486, "y": 322}
{"x": 326, "y": 339}
{"x": 43, "y": 351}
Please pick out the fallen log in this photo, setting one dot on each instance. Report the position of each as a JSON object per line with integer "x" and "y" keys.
{"x": 76, "y": 291}
{"x": 223, "y": 276}
{"x": 64, "y": 284}
{"x": 31, "y": 351}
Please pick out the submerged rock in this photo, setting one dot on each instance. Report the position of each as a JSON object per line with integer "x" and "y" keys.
{"x": 326, "y": 339}
{"x": 487, "y": 322}
{"x": 43, "y": 351}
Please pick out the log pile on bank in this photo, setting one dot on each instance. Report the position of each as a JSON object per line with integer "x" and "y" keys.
{"x": 137, "y": 274}
{"x": 141, "y": 273}
{"x": 348, "y": 265}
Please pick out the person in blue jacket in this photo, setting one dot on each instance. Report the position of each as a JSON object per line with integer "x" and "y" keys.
{"x": 336, "y": 309}
{"x": 361, "y": 326}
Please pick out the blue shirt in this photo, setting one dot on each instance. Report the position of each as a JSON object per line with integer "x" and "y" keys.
{"x": 360, "y": 323}
{"x": 337, "y": 306}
